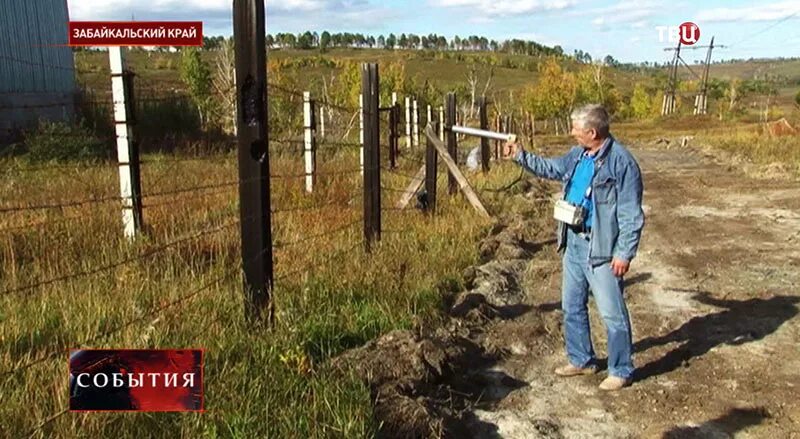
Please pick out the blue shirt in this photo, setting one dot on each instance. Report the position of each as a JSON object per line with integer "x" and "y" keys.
{"x": 581, "y": 179}
{"x": 617, "y": 221}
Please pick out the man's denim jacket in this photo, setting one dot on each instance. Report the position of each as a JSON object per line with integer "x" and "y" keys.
{"x": 617, "y": 217}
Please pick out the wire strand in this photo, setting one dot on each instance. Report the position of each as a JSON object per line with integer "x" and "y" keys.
{"x": 118, "y": 263}
{"x": 281, "y": 245}
{"x": 331, "y": 258}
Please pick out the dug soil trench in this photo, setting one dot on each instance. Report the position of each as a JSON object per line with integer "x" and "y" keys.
{"x": 713, "y": 297}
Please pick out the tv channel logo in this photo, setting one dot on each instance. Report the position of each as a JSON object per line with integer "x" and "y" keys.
{"x": 687, "y": 33}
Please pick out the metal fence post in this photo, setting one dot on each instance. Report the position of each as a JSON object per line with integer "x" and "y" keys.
{"x": 254, "y": 185}
{"x": 309, "y": 143}
{"x": 370, "y": 90}
{"x": 127, "y": 147}
{"x": 485, "y": 154}
{"x": 452, "y": 141}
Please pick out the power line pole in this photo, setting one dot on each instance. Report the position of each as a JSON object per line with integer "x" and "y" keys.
{"x": 700, "y": 104}
{"x": 668, "y": 105}
{"x": 701, "y": 101}
{"x": 254, "y": 185}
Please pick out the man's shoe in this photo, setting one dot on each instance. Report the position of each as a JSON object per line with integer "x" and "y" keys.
{"x": 570, "y": 371}
{"x": 613, "y": 383}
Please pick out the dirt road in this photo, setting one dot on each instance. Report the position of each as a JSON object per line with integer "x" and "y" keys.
{"x": 713, "y": 297}
{"x": 714, "y": 303}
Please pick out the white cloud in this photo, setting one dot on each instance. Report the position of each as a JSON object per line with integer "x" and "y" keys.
{"x": 762, "y": 12}
{"x": 506, "y": 8}
{"x": 633, "y": 13}
{"x": 217, "y": 15}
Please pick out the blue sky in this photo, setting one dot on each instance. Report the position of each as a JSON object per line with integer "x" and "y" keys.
{"x": 627, "y": 30}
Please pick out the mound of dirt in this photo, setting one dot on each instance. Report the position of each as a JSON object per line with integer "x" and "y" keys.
{"x": 423, "y": 383}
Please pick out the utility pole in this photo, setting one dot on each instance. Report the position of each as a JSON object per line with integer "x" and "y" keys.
{"x": 668, "y": 105}
{"x": 701, "y": 101}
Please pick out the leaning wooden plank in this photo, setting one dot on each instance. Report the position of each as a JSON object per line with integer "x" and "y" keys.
{"x": 472, "y": 197}
{"x": 412, "y": 188}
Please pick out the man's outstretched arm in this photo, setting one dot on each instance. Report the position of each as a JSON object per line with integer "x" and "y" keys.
{"x": 550, "y": 168}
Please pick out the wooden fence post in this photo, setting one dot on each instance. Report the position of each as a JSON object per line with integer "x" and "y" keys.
{"x": 370, "y": 90}
{"x": 452, "y": 141}
{"x": 431, "y": 157}
{"x": 254, "y": 184}
{"x": 485, "y": 154}
{"x": 310, "y": 144}
{"x": 361, "y": 130}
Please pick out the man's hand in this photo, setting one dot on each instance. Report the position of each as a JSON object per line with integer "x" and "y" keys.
{"x": 619, "y": 267}
{"x": 510, "y": 150}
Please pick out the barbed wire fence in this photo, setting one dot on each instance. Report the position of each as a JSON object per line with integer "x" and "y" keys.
{"x": 345, "y": 179}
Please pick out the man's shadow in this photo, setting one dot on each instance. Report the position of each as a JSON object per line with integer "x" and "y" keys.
{"x": 740, "y": 322}
{"x": 730, "y": 423}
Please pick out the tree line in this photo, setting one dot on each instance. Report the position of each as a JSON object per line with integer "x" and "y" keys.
{"x": 327, "y": 40}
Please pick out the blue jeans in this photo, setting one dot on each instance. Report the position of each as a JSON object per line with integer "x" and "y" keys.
{"x": 607, "y": 289}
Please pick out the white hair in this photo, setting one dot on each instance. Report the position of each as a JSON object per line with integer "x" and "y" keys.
{"x": 592, "y": 116}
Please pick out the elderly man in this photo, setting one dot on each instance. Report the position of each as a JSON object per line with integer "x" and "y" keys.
{"x": 603, "y": 184}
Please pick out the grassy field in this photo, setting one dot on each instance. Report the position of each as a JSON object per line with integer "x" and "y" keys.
{"x": 329, "y": 295}
{"x": 157, "y": 75}
{"x": 179, "y": 286}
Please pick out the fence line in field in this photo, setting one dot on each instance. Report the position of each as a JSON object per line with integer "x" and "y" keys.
{"x": 372, "y": 182}
{"x": 146, "y": 255}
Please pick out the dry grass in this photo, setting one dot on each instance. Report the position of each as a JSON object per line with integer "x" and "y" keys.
{"x": 748, "y": 142}
{"x": 259, "y": 382}
{"x": 329, "y": 295}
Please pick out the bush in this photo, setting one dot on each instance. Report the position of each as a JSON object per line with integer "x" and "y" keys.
{"x": 797, "y": 98}
{"x": 58, "y": 141}
{"x": 164, "y": 115}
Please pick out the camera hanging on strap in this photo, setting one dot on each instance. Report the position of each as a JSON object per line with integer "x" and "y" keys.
{"x": 572, "y": 214}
